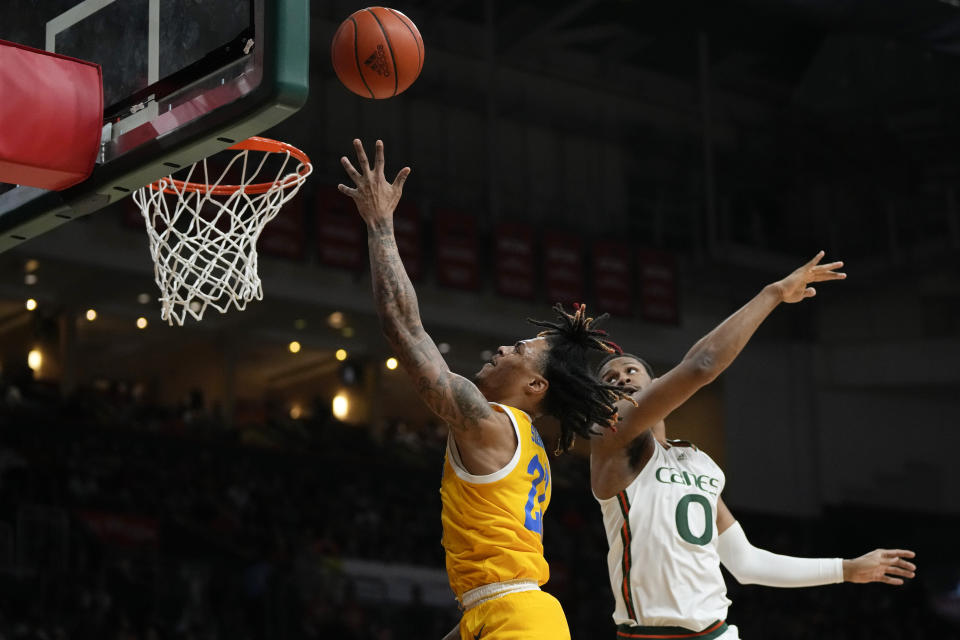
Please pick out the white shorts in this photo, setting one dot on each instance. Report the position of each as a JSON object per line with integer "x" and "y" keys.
{"x": 731, "y": 633}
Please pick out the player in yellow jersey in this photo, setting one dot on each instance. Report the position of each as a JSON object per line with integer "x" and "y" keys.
{"x": 496, "y": 481}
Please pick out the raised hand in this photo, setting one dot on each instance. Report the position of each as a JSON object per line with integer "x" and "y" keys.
{"x": 375, "y": 197}
{"x": 794, "y": 287}
{"x": 880, "y": 565}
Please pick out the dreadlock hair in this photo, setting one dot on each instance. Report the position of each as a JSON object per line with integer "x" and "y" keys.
{"x": 575, "y": 396}
{"x": 623, "y": 354}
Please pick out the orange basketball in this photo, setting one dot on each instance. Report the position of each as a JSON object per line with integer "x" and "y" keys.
{"x": 377, "y": 52}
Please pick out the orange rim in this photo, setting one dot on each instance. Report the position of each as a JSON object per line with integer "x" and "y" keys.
{"x": 251, "y": 144}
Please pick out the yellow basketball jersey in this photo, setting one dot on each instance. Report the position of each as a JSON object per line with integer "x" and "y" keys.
{"x": 493, "y": 524}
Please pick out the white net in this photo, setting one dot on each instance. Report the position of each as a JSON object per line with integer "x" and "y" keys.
{"x": 203, "y": 235}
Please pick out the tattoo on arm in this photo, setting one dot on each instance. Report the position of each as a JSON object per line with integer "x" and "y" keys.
{"x": 471, "y": 404}
{"x": 392, "y": 289}
{"x": 453, "y": 398}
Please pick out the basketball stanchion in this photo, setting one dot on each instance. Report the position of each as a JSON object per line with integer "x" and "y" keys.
{"x": 203, "y": 234}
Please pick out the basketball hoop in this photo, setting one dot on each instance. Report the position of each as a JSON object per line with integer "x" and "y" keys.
{"x": 203, "y": 235}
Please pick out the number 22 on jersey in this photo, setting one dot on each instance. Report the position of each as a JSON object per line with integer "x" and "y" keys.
{"x": 533, "y": 511}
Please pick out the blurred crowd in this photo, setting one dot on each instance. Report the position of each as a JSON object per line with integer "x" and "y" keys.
{"x": 120, "y": 520}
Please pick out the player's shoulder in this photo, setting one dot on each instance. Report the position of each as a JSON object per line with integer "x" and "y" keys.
{"x": 682, "y": 444}
{"x": 518, "y": 417}
{"x": 685, "y": 449}
{"x": 507, "y": 408}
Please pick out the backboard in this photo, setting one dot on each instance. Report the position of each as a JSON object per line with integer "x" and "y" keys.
{"x": 183, "y": 79}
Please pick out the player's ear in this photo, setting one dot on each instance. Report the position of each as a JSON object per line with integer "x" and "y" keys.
{"x": 537, "y": 385}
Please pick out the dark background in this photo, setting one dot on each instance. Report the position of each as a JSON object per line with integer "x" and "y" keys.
{"x": 191, "y": 482}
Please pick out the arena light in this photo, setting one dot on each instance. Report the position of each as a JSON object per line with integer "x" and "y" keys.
{"x": 141, "y": 323}
{"x": 294, "y": 347}
{"x": 30, "y": 279}
{"x": 34, "y": 359}
{"x": 31, "y": 265}
{"x": 341, "y": 406}
{"x": 340, "y": 355}
{"x": 143, "y": 298}
{"x": 336, "y": 320}
{"x": 392, "y": 363}
{"x": 91, "y": 314}
{"x": 31, "y": 304}
{"x": 295, "y": 412}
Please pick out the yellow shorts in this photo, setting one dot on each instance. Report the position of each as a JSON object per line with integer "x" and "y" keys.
{"x": 527, "y": 615}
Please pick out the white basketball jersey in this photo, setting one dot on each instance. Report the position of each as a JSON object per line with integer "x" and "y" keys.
{"x": 662, "y": 532}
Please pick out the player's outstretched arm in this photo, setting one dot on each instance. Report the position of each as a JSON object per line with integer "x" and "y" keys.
{"x": 750, "y": 565}
{"x": 453, "y": 398}
{"x": 717, "y": 350}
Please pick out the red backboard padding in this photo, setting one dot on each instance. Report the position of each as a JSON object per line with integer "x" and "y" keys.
{"x": 51, "y": 115}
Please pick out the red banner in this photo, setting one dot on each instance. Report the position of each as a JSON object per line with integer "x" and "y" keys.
{"x": 406, "y": 228}
{"x": 659, "y": 297}
{"x": 613, "y": 279}
{"x": 456, "y": 246}
{"x": 121, "y": 529}
{"x": 341, "y": 237}
{"x": 283, "y": 236}
{"x": 513, "y": 260}
{"x": 563, "y": 267}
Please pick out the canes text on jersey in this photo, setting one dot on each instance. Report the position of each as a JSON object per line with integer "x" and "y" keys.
{"x": 670, "y": 475}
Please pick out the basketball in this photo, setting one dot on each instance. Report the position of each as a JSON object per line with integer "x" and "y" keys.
{"x": 377, "y": 52}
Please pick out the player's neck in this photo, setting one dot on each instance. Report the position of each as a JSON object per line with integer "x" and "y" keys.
{"x": 518, "y": 401}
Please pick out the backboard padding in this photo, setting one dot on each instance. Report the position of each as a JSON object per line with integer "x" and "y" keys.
{"x": 263, "y": 81}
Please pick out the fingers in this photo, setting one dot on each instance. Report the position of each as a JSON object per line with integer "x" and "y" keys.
{"x": 897, "y": 561}
{"x": 353, "y": 173}
{"x": 809, "y": 292}
{"x": 817, "y": 258}
{"x": 909, "y": 566}
{"x": 898, "y": 567}
{"x": 361, "y": 155}
{"x": 378, "y": 161}
{"x": 401, "y": 177}
{"x": 831, "y": 266}
{"x": 897, "y": 571}
{"x": 824, "y": 272}
{"x": 345, "y": 190}
{"x": 826, "y": 276}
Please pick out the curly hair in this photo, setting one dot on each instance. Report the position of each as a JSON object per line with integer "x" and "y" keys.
{"x": 575, "y": 396}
